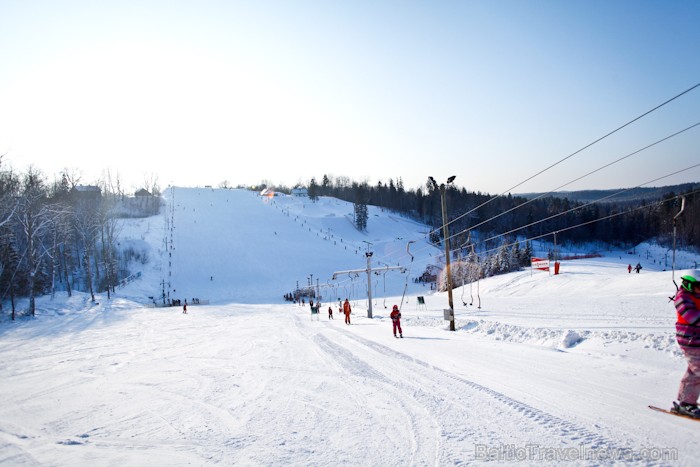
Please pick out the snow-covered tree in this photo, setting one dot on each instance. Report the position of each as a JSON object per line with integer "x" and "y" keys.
{"x": 34, "y": 216}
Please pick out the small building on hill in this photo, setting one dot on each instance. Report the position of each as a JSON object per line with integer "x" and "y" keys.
{"x": 89, "y": 192}
{"x": 86, "y": 197}
{"x": 300, "y": 192}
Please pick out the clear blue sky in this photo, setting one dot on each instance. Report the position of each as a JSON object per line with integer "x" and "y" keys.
{"x": 198, "y": 92}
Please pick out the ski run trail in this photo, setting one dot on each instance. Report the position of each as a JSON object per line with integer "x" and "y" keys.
{"x": 550, "y": 370}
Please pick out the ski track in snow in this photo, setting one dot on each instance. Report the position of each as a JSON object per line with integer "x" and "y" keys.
{"x": 411, "y": 412}
{"x": 449, "y": 402}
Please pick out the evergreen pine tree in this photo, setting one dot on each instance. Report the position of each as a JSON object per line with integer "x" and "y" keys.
{"x": 527, "y": 254}
{"x": 313, "y": 190}
{"x": 361, "y": 216}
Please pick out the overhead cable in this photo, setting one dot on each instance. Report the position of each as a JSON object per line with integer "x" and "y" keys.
{"x": 580, "y": 150}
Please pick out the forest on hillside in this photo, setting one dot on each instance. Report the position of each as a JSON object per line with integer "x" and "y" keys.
{"x": 64, "y": 236}
{"x": 490, "y": 221}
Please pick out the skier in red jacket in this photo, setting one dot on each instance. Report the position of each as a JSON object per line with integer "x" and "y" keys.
{"x": 396, "y": 320}
{"x": 347, "y": 310}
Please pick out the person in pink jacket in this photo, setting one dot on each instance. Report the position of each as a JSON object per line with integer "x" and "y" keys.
{"x": 396, "y": 320}
{"x": 687, "y": 303}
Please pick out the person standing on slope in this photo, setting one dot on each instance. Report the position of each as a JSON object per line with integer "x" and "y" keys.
{"x": 315, "y": 309}
{"x": 396, "y": 320}
{"x": 347, "y": 310}
{"x": 330, "y": 312}
{"x": 687, "y": 303}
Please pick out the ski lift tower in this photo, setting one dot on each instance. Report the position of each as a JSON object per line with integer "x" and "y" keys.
{"x": 368, "y": 270}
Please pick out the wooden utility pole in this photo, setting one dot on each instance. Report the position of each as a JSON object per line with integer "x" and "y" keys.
{"x": 446, "y": 234}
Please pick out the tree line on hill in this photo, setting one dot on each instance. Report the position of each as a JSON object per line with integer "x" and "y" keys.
{"x": 499, "y": 219}
{"x": 61, "y": 236}
{"x": 495, "y": 232}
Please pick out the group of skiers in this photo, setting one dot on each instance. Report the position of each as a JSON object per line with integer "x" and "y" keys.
{"x": 346, "y": 309}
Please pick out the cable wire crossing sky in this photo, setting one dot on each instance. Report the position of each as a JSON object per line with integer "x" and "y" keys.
{"x": 244, "y": 92}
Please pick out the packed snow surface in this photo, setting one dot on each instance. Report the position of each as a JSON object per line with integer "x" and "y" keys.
{"x": 542, "y": 368}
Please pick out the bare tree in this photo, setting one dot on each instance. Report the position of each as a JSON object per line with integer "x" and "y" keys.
{"x": 112, "y": 185}
{"x": 109, "y": 229}
{"x": 34, "y": 219}
{"x": 9, "y": 256}
{"x": 150, "y": 183}
{"x": 153, "y": 187}
{"x": 59, "y": 226}
{"x": 86, "y": 228}
{"x": 65, "y": 259}
{"x": 9, "y": 188}
{"x": 72, "y": 176}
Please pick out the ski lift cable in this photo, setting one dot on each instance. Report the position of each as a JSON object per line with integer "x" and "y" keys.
{"x": 547, "y": 234}
{"x": 564, "y": 185}
{"x": 583, "y": 206}
{"x": 578, "y": 151}
{"x": 580, "y": 178}
{"x": 610, "y": 216}
{"x": 580, "y": 207}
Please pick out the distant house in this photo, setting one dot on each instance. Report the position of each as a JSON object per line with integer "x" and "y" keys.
{"x": 300, "y": 192}
{"x": 86, "y": 196}
{"x": 86, "y": 192}
{"x": 144, "y": 203}
{"x": 268, "y": 192}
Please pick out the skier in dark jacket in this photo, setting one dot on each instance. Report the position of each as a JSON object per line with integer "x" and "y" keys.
{"x": 396, "y": 320}
{"x": 687, "y": 303}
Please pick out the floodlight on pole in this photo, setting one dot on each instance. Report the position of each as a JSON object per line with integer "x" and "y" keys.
{"x": 446, "y": 235}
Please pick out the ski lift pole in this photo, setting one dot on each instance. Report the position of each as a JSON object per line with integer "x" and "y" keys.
{"x": 405, "y": 287}
{"x": 478, "y": 276}
{"x": 368, "y": 254}
{"x": 673, "y": 261}
{"x": 356, "y": 273}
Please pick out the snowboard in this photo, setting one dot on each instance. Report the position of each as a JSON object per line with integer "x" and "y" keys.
{"x": 659, "y": 409}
